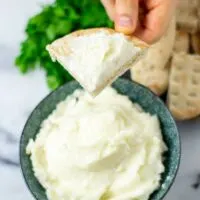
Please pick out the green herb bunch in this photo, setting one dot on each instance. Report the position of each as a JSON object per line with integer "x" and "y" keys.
{"x": 54, "y": 21}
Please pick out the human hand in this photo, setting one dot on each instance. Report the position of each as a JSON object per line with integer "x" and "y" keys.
{"x": 146, "y": 19}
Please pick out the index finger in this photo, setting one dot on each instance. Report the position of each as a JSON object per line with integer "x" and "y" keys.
{"x": 156, "y": 21}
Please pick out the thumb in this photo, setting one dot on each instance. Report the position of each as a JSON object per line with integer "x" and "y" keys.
{"x": 126, "y": 16}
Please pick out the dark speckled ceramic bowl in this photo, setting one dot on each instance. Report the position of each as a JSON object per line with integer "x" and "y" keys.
{"x": 136, "y": 93}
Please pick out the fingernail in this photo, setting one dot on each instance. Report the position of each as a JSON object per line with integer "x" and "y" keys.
{"x": 125, "y": 21}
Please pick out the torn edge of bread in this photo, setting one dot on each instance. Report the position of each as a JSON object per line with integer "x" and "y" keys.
{"x": 60, "y": 45}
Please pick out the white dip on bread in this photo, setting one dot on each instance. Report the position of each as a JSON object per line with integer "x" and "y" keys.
{"x": 95, "y": 57}
{"x": 103, "y": 148}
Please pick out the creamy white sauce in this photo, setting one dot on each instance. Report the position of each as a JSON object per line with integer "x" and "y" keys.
{"x": 98, "y": 57}
{"x": 102, "y": 148}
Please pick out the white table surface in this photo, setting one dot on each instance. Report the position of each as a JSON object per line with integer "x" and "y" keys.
{"x": 20, "y": 94}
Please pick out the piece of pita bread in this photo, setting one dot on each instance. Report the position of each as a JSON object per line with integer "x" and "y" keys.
{"x": 94, "y": 83}
{"x": 187, "y": 15}
{"x": 195, "y": 41}
{"x": 184, "y": 86}
{"x": 153, "y": 64}
{"x": 182, "y": 41}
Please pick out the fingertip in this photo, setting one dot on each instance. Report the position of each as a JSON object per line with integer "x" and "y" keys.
{"x": 126, "y": 16}
{"x": 125, "y": 24}
{"x": 124, "y": 30}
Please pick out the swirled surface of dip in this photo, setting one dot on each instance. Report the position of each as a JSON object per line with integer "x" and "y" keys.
{"x": 103, "y": 148}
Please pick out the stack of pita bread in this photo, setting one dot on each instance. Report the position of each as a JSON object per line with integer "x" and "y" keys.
{"x": 172, "y": 65}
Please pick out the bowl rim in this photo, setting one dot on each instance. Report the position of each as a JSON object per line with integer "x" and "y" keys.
{"x": 179, "y": 148}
